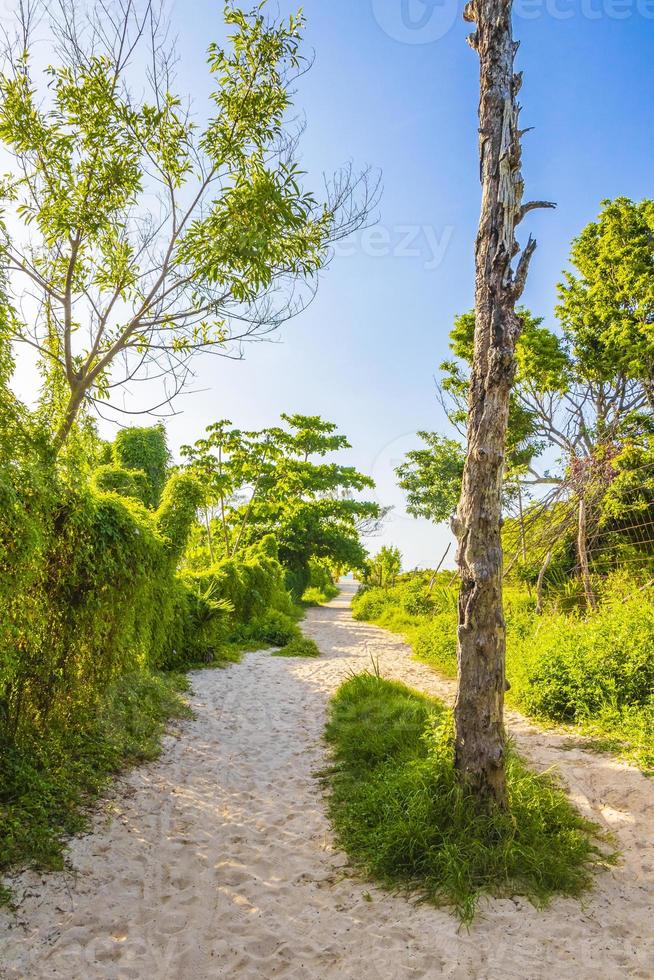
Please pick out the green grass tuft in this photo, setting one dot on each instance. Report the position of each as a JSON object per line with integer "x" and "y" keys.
{"x": 402, "y": 816}
{"x": 302, "y": 646}
{"x": 315, "y": 596}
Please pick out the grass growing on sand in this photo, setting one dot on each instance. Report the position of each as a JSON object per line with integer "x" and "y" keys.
{"x": 302, "y": 646}
{"x": 319, "y": 596}
{"x": 400, "y": 813}
{"x": 46, "y": 788}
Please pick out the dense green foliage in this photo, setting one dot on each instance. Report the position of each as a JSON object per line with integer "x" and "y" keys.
{"x": 278, "y": 482}
{"x": 595, "y": 672}
{"x": 579, "y": 458}
{"x": 404, "y": 818}
{"x": 99, "y": 592}
{"x": 143, "y": 453}
{"x": 607, "y": 299}
{"x": 432, "y": 477}
{"x": 97, "y": 599}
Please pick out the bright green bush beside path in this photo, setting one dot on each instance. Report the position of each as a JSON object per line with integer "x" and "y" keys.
{"x": 595, "y": 671}
{"x": 99, "y": 613}
{"x": 401, "y": 814}
{"x": 321, "y": 588}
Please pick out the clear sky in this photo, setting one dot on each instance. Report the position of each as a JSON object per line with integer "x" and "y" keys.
{"x": 394, "y": 85}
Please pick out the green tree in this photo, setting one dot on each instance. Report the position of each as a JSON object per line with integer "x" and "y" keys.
{"x": 581, "y": 406}
{"x": 568, "y": 424}
{"x": 542, "y": 365}
{"x": 383, "y": 569}
{"x": 431, "y": 477}
{"x": 606, "y": 303}
{"x": 144, "y": 237}
{"x": 220, "y": 463}
{"x": 277, "y": 482}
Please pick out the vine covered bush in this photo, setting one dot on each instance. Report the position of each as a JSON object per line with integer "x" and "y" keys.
{"x": 110, "y": 478}
{"x": 94, "y": 605}
{"x": 144, "y": 451}
{"x": 98, "y": 599}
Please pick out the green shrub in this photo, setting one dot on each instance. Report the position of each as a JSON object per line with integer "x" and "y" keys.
{"x": 97, "y": 597}
{"x": 573, "y": 668}
{"x": 596, "y": 672}
{"x": 274, "y": 629}
{"x": 144, "y": 451}
{"x": 415, "y": 597}
{"x": 416, "y": 600}
{"x": 401, "y": 814}
{"x": 369, "y": 603}
{"x": 253, "y": 583}
{"x": 199, "y": 633}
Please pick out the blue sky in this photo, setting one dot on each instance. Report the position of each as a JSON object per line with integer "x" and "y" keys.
{"x": 385, "y": 91}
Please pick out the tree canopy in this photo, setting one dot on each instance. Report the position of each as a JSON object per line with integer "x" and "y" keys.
{"x": 142, "y": 237}
{"x": 277, "y": 481}
{"x": 431, "y": 477}
{"x": 581, "y": 391}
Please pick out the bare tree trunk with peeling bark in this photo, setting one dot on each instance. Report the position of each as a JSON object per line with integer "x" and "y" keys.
{"x": 479, "y": 711}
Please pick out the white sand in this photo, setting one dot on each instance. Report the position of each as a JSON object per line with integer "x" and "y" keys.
{"x": 217, "y": 861}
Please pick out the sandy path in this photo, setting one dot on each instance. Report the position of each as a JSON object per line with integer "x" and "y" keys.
{"x": 217, "y": 860}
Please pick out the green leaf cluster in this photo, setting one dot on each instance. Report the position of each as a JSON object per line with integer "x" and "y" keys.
{"x": 276, "y": 482}
{"x": 144, "y": 236}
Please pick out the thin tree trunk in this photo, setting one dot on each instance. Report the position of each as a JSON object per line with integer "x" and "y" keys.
{"x": 523, "y": 533}
{"x": 248, "y": 512}
{"x": 582, "y": 554}
{"x": 223, "y": 520}
{"x": 479, "y": 710}
{"x": 440, "y": 565}
{"x": 523, "y": 536}
{"x": 207, "y": 521}
{"x": 541, "y": 584}
{"x": 70, "y": 415}
{"x": 223, "y": 516}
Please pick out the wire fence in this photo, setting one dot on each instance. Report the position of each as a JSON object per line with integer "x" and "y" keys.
{"x": 588, "y": 541}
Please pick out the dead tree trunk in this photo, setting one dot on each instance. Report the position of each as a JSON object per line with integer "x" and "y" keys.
{"x": 479, "y": 712}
